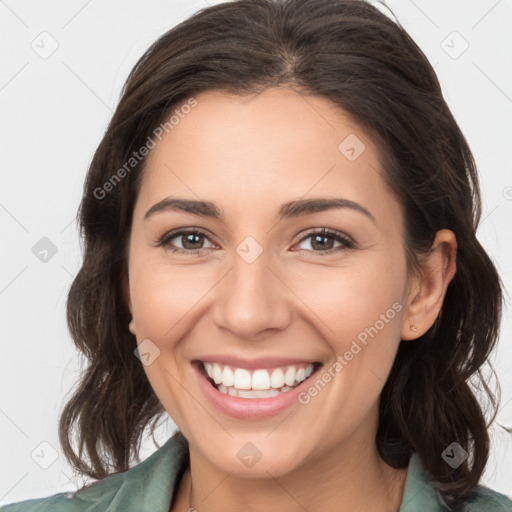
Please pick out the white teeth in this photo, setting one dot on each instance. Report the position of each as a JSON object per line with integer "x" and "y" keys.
{"x": 261, "y": 383}
{"x": 242, "y": 379}
{"x": 260, "y": 380}
{"x": 289, "y": 376}
{"x": 243, "y": 393}
{"x": 228, "y": 379}
{"x": 277, "y": 378}
{"x": 209, "y": 369}
{"x": 217, "y": 373}
{"x": 267, "y": 393}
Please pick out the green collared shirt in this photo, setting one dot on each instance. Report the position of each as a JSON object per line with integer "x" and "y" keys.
{"x": 150, "y": 486}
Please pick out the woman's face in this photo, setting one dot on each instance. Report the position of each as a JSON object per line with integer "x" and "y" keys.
{"x": 256, "y": 291}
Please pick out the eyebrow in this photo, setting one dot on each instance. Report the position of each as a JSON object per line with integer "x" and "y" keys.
{"x": 288, "y": 210}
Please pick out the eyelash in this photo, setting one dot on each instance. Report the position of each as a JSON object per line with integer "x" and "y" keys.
{"x": 165, "y": 240}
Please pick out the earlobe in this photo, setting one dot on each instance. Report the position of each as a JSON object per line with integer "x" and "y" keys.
{"x": 437, "y": 269}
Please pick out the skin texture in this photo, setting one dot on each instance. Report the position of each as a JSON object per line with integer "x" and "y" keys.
{"x": 249, "y": 155}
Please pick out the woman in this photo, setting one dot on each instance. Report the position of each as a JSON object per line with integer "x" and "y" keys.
{"x": 280, "y": 253}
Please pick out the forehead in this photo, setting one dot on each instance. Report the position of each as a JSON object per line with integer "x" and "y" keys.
{"x": 255, "y": 150}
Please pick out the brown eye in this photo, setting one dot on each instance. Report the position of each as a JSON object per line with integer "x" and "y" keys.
{"x": 191, "y": 241}
{"x": 323, "y": 241}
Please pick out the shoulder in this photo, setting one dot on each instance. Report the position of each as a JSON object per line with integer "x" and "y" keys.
{"x": 422, "y": 495}
{"x": 98, "y": 493}
{"x": 149, "y": 483}
{"x": 487, "y": 500}
{"x": 57, "y": 503}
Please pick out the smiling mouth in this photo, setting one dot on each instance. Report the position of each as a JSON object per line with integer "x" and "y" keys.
{"x": 259, "y": 383}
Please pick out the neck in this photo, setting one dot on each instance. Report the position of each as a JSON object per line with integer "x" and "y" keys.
{"x": 351, "y": 477}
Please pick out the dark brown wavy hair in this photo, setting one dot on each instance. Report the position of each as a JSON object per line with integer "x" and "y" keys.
{"x": 364, "y": 62}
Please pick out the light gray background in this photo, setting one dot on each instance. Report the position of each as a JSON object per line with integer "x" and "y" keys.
{"x": 55, "y": 109}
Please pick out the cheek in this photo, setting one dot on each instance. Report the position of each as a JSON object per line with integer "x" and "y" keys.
{"x": 166, "y": 301}
{"x": 357, "y": 308}
{"x": 350, "y": 298}
{"x": 165, "y": 305}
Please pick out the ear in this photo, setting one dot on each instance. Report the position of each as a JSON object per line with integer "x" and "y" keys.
{"x": 128, "y": 299}
{"x": 428, "y": 289}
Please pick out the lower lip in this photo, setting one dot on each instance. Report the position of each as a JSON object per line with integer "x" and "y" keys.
{"x": 249, "y": 408}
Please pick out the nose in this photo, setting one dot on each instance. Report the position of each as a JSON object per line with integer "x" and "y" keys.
{"x": 253, "y": 300}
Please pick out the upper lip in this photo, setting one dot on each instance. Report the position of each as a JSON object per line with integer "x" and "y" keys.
{"x": 256, "y": 363}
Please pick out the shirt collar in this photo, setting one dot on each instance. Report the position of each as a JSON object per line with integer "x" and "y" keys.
{"x": 418, "y": 489}
{"x": 151, "y": 485}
